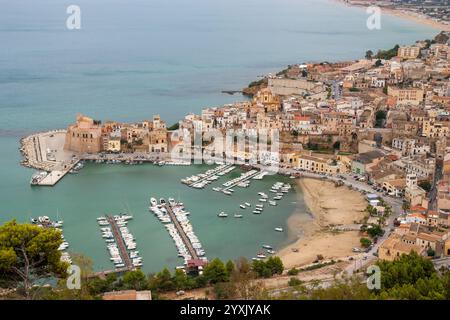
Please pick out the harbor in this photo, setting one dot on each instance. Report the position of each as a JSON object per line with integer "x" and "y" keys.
{"x": 97, "y": 185}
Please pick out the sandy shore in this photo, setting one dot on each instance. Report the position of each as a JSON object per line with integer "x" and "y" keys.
{"x": 329, "y": 205}
{"x": 418, "y": 19}
{"x": 404, "y": 14}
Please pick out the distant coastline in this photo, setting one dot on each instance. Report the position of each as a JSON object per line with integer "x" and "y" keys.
{"x": 404, "y": 14}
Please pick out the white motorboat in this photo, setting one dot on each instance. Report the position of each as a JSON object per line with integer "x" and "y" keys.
{"x": 153, "y": 202}
{"x": 256, "y": 211}
{"x": 262, "y": 200}
{"x": 243, "y": 206}
{"x": 266, "y": 246}
{"x": 272, "y": 203}
{"x": 238, "y": 215}
{"x": 248, "y": 204}
{"x": 162, "y": 201}
{"x": 222, "y": 215}
{"x": 279, "y": 229}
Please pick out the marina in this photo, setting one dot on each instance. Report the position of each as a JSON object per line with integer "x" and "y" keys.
{"x": 174, "y": 218}
{"x": 242, "y": 180}
{"x": 201, "y": 180}
{"x": 96, "y": 185}
{"x": 120, "y": 242}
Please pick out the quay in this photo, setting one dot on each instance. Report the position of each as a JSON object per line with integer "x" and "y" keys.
{"x": 120, "y": 244}
{"x": 181, "y": 232}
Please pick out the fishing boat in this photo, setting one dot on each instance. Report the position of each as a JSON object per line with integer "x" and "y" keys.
{"x": 242, "y": 206}
{"x": 222, "y": 215}
{"x": 279, "y": 229}
{"x": 238, "y": 215}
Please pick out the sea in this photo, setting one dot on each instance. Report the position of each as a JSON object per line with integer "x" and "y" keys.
{"x": 132, "y": 59}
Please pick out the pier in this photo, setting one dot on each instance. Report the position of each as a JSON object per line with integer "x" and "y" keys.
{"x": 241, "y": 179}
{"x": 181, "y": 232}
{"x": 212, "y": 172}
{"x": 120, "y": 244}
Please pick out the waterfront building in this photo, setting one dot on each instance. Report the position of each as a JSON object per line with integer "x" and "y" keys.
{"x": 85, "y": 136}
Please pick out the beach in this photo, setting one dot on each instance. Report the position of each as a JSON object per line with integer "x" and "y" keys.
{"x": 328, "y": 206}
{"x": 405, "y": 14}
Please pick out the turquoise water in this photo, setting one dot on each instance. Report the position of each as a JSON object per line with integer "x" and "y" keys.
{"x": 135, "y": 58}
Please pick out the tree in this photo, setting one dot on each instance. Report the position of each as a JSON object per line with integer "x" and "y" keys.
{"x": 387, "y": 54}
{"x": 230, "y": 267}
{"x": 180, "y": 279}
{"x": 215, "y": 271}
{"x": 293, "y": 272}
{"x": 225, "y": 290}
{"x": 135, "y": 280}
{"x": 405, "y": 206}
{"x": 425, "y": 185}
{"x": 378, "y": 63}
{"x": 375, "y": 230}
{"x": 162, "y": 281}
{"x": 293, "y": 282}
{"x": 275, "y": 265}
{"x": 337, "y": 145}
{"x": 365, "y": 243}
{"x": 369, "y": 54}
{"x": 97, "y": 285}
{"x": 380, "y": 117}
{"x": 173, "y": 127}
{"x": 29, "y": 253}
{"x": 261, "y": 269}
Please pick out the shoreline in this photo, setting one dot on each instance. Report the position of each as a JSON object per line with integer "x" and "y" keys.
{"x": 404, "y": 14}
{"x": 326, "y": 208}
